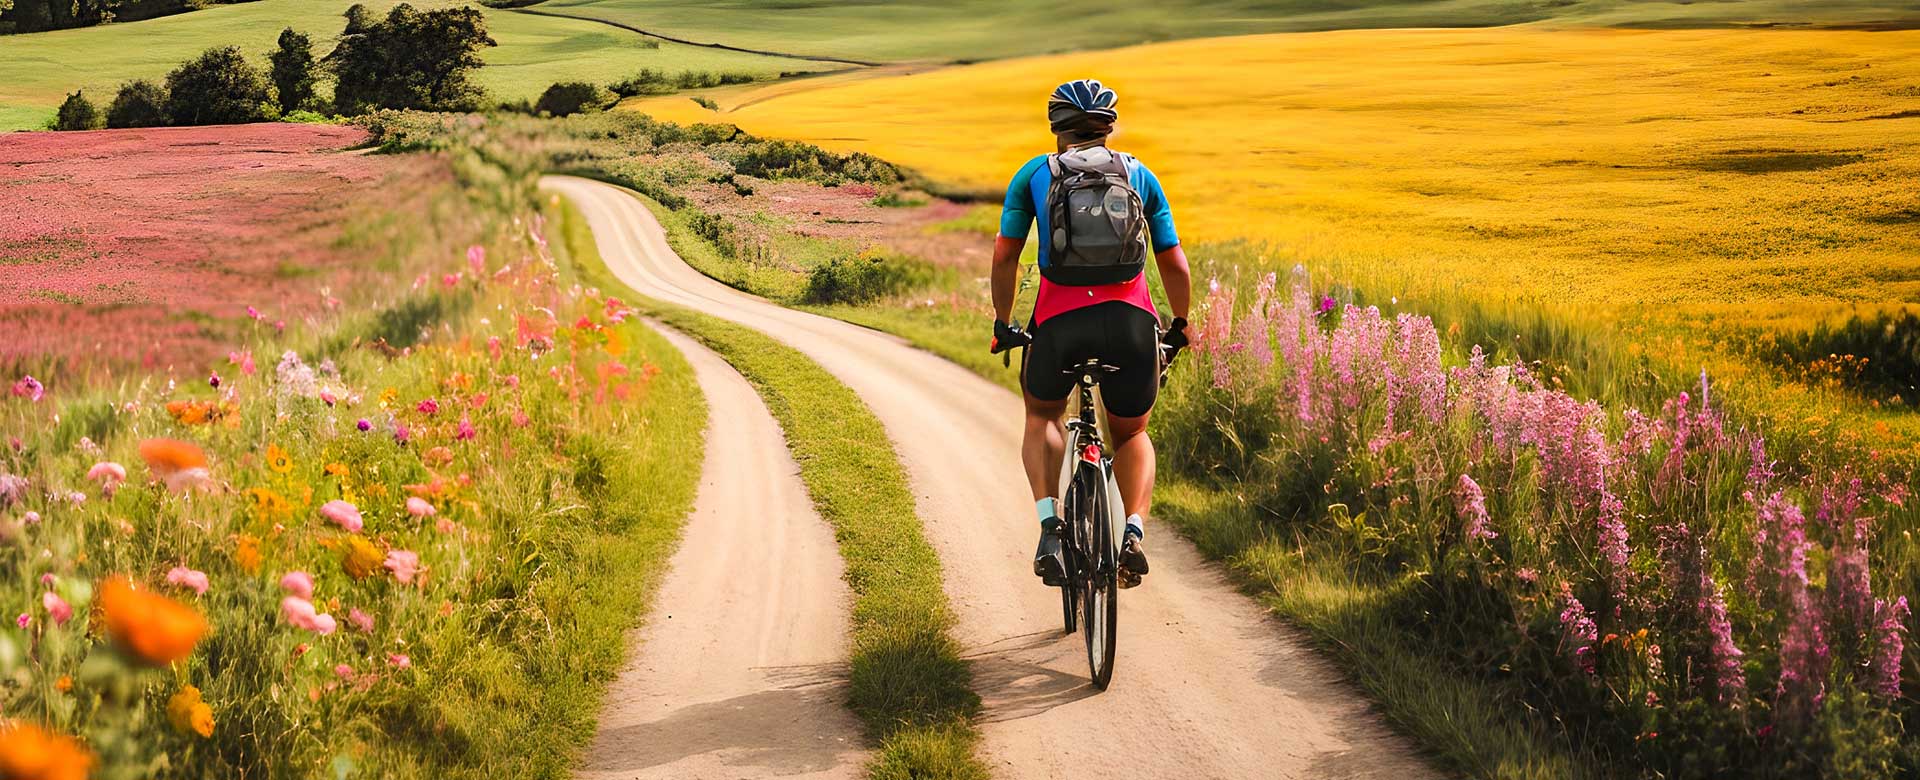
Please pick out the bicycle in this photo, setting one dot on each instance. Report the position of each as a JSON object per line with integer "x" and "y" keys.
{"x": 1090, "y": 510}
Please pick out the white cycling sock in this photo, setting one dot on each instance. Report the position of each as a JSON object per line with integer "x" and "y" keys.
{"x": 1135, "y": 524}
{"x": 1047, "y": 509}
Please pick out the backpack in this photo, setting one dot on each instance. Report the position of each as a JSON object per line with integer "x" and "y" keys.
{"x": 1098, "y": 221}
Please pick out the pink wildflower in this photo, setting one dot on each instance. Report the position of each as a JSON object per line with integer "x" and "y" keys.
{"x": 301, "y": 614}
{"x": 428, "y": 407}
{"x": 253, "y": 313}
{"x": 477, "y": 258}
{"x": 361, "y": 621}
{"x": 404, "y": 564}
{"x": 343, "y": 514}
{"x": 1471, "y": 503}
{"x": 190, "y": 579}
{"x": 29, "y": 388}
{"x": 1892, "y": 647}
{"x": 57, "y": 608}
{"x": 213, "y": 380}
{"x": 297, "y": 583}
{"x": 109, "y": 475}
{"x": 399, "y": 661}
{"x": 418, "y": 507}
{"x": 464, "y": 431}
{"x": 30, "y": 518}
{"x": 364, "y": 425}
{"x": 1581, "y": 633}
{"x": 13, "y": 490}
{"x": 344, "y": 671}
{"x": 23, "y": 620}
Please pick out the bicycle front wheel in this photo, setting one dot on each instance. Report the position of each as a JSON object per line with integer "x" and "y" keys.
{"x": 1100, "y": 596}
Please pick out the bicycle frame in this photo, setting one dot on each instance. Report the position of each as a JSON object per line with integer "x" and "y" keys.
{"x": 1087, "y": 468}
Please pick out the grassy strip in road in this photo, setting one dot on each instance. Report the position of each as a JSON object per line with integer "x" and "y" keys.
{"x": 909, "y": 685}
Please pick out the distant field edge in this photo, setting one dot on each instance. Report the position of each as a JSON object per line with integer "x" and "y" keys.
{"x": 687, "y": 42}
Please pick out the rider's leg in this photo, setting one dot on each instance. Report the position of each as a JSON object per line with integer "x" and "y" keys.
{"x": 1132, "y": 462}
{"x": 1042, "y": 445}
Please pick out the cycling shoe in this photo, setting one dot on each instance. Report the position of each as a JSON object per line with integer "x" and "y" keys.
{"x": 1047, "y": 562}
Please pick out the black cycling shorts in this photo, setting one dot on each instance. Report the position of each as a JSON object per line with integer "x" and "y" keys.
{"x": 1120, "y": 334}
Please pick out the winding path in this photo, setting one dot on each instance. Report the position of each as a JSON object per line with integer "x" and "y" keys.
{"x": 740, "y": 670}
{"x": 1206, "y": 685}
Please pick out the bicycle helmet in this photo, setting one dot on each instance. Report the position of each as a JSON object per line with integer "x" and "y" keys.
{"x": 1083, "y": 108}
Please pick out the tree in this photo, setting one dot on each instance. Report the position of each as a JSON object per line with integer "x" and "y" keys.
{"x": 292, "y": 70}
{"x": 572, "y": 97}
{"x": 139, "y": 103}
{"x": 412, "y": 59}
{"x": 78, "y": 113}
{"x": 218, "y": 88}
{"x": 358, "y": 19}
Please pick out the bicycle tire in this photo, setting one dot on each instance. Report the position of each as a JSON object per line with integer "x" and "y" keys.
{"x": 1100, "y": 596}
{"x": 1069, "y": 561}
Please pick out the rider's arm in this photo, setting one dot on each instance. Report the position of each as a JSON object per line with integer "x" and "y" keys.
{"x": 1174, "y": 276}
{"x": 1006, "y": 274}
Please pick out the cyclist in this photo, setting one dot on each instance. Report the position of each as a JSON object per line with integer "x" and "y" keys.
{"x": 1099, "y": 211}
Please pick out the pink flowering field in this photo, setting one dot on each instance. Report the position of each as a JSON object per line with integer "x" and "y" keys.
{"x": 1672, "y": 588}
{"x": 402, "y": 538}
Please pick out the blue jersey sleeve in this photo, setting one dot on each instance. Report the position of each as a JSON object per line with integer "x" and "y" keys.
{"x": 1159, "y": 214}
{"x": 1017, "y": 213}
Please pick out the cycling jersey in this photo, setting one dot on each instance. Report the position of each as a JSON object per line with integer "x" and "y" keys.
{"x": 1026, "y": 195}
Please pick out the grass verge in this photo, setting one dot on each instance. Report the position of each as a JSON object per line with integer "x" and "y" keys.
{"x": 909, "y": 685}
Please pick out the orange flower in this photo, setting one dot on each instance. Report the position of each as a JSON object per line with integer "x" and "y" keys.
{"x": 154, "y": 628}
{"x": 278, "y": 460}
{"x": 188, "y": 714}
{"x": 64, "y": 684}
{"x": 29, "y": 753}
{"x": 246, "y": 553}
{"x": 177, "y": 463}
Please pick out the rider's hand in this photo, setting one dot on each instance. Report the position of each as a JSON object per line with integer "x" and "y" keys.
{"x": 1174, "y": 339}
{"x": 1006, "y": 337}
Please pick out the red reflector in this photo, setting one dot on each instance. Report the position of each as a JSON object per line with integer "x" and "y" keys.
{"x": 1091, "y": 454}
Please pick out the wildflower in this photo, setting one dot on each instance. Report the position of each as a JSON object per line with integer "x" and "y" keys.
{"x": 399, "y": 661}
{"x": 177, "y": 464}
{"x": 1472, "y": 506}
{"x": 64, "y": 684}
{"x": 477, "y": 258}
{"x": 30, "y": 518}
{"x": 13, "y": 489}
{"x": 336, "y": 469}
{"x": 109, "y": 475}
{"x": 361, "y": 621}
{"x": 253, "y": 313}
{"x": 278, "y": 460}
{"x": 343, "y": 514}
{"x": 1581, "y": 633}
{"x": 189, "y": 714}
{"x": 363, "y": 425}
{"x": 297, "y": 583}
{"x": 437, "y": 456}
{"x": 57, "y": 608}
{"x": 404, "y": 564}
{"x": 400, "y": 433}
{"x": 23, "y": 620}
{"x": 1892, "y": 630}
{"x": 428, "y": 407}
{"x": 465, "y": 429}
{"x": 29, "y": 388}
{"x": 243, "y": 359}
{"x": 300, "y": 613}
{"x": 246, "y": 553}
{"x": 213, "y": 380}
{"x": 327, "y": 397}
{"x": 343, "y": 671}
{"x": 156, "y": 629}
{"x": 190, "y": 579}
{"x": 29, "y": 753}
{"x": 361, "y": 558}
{"x": 520, "y": 418}
{"x": 418, "y": 507}
{"x": 1527, "y": 575}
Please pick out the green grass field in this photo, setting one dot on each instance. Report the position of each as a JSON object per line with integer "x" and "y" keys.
{"x": 39, "y": 69}
{"x": 991, "y": 29}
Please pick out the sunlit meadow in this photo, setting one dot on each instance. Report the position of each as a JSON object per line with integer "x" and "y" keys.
{"x": 381, "y": 547}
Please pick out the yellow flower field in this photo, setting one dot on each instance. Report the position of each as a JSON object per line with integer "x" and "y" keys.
{"x": 1769, "y": 176}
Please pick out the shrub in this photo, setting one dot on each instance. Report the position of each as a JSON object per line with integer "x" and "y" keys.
{"x": 292, "y": 70}
{"x": 572, "y": 97}
{"x": 218, "y": 88}
{"x": 647, "y": 82}
{"x": 78, "y": 113}
{"x": 358, "y": 19}
{"x": 857, "y": 279}
{"x": 139, "y": 103}
{"x": 412, "y": 59}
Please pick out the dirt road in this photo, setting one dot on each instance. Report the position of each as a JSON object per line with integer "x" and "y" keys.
{"x": 740, "y": 670}
{"x": 1206, "y": 685}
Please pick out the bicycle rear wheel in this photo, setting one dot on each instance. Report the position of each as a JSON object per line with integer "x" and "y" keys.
{"x": 1100, "y": 596}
